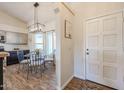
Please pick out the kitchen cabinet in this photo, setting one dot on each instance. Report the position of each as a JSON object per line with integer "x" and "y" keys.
{"x": 16, "y": 38}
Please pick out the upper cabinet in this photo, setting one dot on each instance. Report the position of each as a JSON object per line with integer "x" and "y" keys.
{"x": 16, "y": 38}
{"x": 13, "y": 35}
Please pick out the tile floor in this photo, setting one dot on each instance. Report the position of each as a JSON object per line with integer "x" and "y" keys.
{"x": 78, "y": 84}
{"x": 18, "y": 81}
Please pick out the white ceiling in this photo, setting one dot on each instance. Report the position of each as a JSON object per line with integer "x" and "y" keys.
{"x": 24, "y": 10}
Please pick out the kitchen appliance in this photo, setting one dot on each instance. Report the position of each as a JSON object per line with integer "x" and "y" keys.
{"x": 2, "y": 39}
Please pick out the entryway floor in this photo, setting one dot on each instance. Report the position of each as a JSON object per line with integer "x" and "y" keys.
{"x": 78, "y": 84}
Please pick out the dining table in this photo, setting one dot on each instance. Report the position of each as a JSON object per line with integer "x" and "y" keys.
{"x": 2, "y": 56}
{"x": 27, "y": 56}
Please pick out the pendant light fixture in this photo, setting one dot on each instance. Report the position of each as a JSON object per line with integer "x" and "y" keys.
{"x": 37, "y": 26}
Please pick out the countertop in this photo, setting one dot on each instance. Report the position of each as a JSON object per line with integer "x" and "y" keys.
{"x": 4, "y": 54}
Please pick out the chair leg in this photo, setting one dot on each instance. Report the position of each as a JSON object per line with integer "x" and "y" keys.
{"x": 53, "y": 63}
{"x": 23, "y": 67}
{"x": 31, "y": 69}
{"x": 27, "y": 72}
{"x": 41, "y": 70}
{"x": 18, "y": 68}
{"x": 36, "y": 69}
{"x": 45, "y": 65}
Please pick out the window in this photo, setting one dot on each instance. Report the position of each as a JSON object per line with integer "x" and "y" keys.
{"x": 46, "y": 42}
{"x": 50, "y": 42}
{"x": 39, "y": 44}
{"x": 54, "y": 40}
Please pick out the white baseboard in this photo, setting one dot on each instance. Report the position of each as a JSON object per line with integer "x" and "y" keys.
{"x": 64, "y": 85}
{"x": 58, "y": 88}
{"x": 80, "y": 77}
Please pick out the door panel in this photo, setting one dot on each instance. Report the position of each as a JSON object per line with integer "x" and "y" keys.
{"x": 110, "y": 72}
{"x": 104, "y": 54}
{"x": 93, "y": 46}
{"x": 109, "y": 56}
{"x": 112, "y": 39}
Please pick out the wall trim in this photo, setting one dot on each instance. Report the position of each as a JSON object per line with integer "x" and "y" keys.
{"x": 64, "y": 85}
{"x": 111, "y": 12}
{"x": 66, "y": 6}
{"x": 80, "y": 77}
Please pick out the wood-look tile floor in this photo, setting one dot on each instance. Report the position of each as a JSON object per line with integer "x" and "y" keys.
{"x": 18, "y": 81}
{"x": 78, "y": 84}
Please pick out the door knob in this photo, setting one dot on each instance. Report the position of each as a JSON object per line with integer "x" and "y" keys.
{"x": 87, "y": 53}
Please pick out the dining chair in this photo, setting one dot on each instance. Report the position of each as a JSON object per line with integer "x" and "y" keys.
{"x": 51, "y": 58}
{"x": 35, "y": 63}
{"x": 21, "y": 59}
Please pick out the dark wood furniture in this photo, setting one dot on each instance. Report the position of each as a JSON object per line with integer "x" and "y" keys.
{"x": 13, "y": 58}
{"x": 2, "y": 56}
{"x": 1, "y": 73}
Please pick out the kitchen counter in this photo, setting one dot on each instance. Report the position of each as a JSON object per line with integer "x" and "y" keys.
{"x": 4, "y": 54}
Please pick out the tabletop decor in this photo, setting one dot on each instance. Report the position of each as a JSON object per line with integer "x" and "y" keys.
{"x": 37, "y": 51}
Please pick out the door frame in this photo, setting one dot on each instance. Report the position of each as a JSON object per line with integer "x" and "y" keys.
{"x": 84, "y": 35}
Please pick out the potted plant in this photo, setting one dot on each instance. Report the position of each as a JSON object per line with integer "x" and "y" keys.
{"x": 37, "y": 51}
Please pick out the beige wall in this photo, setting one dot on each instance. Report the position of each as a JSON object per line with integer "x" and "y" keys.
{"x": 67, "y": 49}
{"x": 11, "y": 21}
{"x": 84, "y": 11}
{"x": 64, "y": 57}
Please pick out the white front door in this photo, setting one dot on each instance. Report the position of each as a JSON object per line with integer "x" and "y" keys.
{"x": 93, "y": 61}
{"x": 104, "y": 50}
